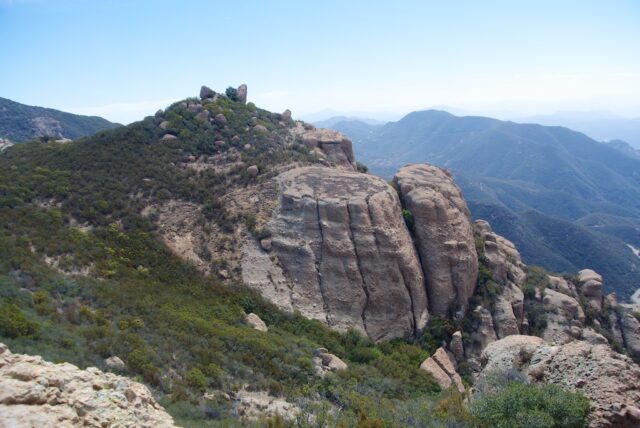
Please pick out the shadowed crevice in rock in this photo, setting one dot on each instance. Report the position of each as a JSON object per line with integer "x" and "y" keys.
{"x": 364, "y": 284}
{"x": 319, "y": 262}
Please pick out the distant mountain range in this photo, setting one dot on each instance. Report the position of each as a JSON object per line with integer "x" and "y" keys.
{"x": 602, "y": 126}
{"x": 567, "y": 201}
{"x": 19, "y": 122}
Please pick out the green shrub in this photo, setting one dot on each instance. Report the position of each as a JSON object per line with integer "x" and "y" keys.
{"x": 196, "y": 379}
{"x": 408, "y": 219}
{"x": 522, "y": 405}
{"x": 361, "y": 167}
{"x": 13, "y": 322}
{"x": 232, "y": 93}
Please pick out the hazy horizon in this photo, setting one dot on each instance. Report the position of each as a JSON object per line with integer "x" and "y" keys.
{"x": 124, "y": 60}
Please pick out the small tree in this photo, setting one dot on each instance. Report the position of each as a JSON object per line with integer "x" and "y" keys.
{"x": 232, "y": 93}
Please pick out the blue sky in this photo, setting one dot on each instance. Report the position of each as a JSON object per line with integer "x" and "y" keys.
{"x": 124, "y": 59}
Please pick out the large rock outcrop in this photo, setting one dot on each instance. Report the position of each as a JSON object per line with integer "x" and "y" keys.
{"x": 331, "y": 147}
{"x": 507, "y": 269}
{"x": 341, "y": 253}
{"x": 443, "y": 233}
{"x": 610, "y": 380}
{"x": 37, "y": 393}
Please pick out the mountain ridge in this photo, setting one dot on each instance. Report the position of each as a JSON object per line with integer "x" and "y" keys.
{"x": 20, "y": 122}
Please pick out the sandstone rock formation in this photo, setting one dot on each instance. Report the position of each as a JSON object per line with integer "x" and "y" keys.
{"x": 440, "y": 367}
{"x": 344, "y": 254}
{"x": 331, "y": 146}
{"x": 503, "y": 260}
{"x": 443, "y": 234}
{"x": 610, "y": 380}
{"x": 37, "y": 393}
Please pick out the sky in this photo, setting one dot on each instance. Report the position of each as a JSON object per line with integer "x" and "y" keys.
{"x": 125, "y": 59}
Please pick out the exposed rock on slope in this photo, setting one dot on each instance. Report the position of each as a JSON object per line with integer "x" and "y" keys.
{"x": 442, "y": 370}
{"x": 506, "y": 267}
{"x": 331, "y": 146}
{"x": 348, "y": 257}
{"x": 34, "y": 392}
{"x": 443, "y": 233}
{"x": 610, "y": 380}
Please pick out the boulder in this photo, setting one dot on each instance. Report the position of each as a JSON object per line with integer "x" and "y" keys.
{"x": 253, "y": 170}
{"x": 265, "y": 244}
{"x": 219, "y": 144}
{"x": 590, "y": 284}
{"x": 254, "y": 321}
{"x": 332, "y": 362}
{"x": 260, "y": 129}
{"x": 440, "y": 367}
{"x": 203, "y": 116}
{"x": 331, "y": 145}
{"x": 443, "y": 234}
{"x": 167, "y": 138}
{"x": 220, "y": 119}
{"x": 37, "y": 393}
{"x": 164, "y": 124}
{"x": 241, "y": 94}
{"x": 115, "y": 363}
{"x": 286, "y": 115}
{"x": 206, "y": 92}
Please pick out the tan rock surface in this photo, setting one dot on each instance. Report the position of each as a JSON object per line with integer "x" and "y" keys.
{"x": 350, "y": 261}
{"x": 443, "y": 234}
{"x": 37, "y": 393}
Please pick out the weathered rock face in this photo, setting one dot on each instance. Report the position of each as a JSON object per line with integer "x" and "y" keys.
{"x": 442, "y": 370}
{"x": 36, "y": 393}
{"x": 344, "y": 253}
{"x": 331, "y": 146}
{"x": 610, "y": 380}
{"x": 443, "y": 233}
{"x": 564, "y": 315}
